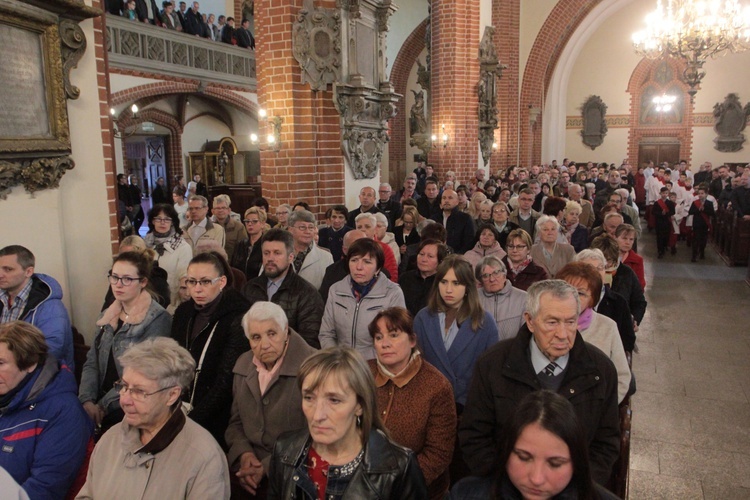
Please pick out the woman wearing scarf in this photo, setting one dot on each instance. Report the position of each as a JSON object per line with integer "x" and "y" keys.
{"x": 597, "y": 329}
{"x": 576, "y": 234}
{"x": 500, "y": 213}
{"x": 165, "y": 238}
{"x": 415, "y": 401}
{"x": 354, "y": 301}
{"x": 133, "y": 317}
{"x": 522, "y": 272}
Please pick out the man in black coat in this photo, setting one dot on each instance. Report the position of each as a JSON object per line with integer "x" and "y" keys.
{"x": 227, "y": 32}
{"x": 428, "y": 205}
{"x": 281, "y": 285}
{"x": 243, "y": 36}
{"x": 458, "y": 224}
{"x": 194, "y": 24}
{"x": 159, "y": 193}
{"x": 548, "y": 353}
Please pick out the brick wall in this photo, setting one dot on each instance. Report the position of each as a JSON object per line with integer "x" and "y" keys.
{"x": 402, "y": 67}
{"x": 506, "y": 15}
{"x": 310, "y": 165}
{"x": 455, "y": 73}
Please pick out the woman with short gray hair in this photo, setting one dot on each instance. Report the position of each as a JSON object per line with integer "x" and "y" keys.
{"x": 156, "y": 451}
{"x": 499, "y": 297}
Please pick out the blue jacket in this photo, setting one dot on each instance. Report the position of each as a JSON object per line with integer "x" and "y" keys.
{"x": 457, "y": 364}
{"x": 44, "y": 433}
{"x": 46, "y": 311}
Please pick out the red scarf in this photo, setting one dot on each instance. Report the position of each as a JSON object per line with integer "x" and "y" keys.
{"x": 664, "y": 206}
{"x": 703, "y": 214}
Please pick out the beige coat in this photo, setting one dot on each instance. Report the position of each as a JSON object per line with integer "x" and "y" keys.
{"x": 234, "y": 233}
{"x": 563, "y": 254}
{"x": 257, "y": 420}
{"x": 214, "y": 232}
{"x": 602, "y": 333}
{"x": 193, "y": 466}
{"x": 314, "y": 266}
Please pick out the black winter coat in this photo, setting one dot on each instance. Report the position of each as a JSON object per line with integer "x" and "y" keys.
{"x": 212, "y": 397}
{"x": 615, "y": 307}
{"x": 504, "y": 375}
{"x": 416, "y": 289}
{"x": 248, "y": 258}
{"x": 299, "y": 299}
{"x": 625, "y": 282}
{"x": 387, "y": 471}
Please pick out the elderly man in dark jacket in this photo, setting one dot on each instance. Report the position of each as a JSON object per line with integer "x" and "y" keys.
{"x": 281, "y": 285}
{"x": 548, "y": 353}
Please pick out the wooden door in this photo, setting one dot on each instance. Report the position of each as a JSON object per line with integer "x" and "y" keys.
{"x": 658, "y": 153}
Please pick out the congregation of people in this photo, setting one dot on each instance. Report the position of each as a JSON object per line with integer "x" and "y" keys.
{"x": 178, "y": 16}
{"x": 444, "y": 340}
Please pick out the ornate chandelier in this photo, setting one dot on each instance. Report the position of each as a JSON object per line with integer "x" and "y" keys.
{"x": 693, "y": 31}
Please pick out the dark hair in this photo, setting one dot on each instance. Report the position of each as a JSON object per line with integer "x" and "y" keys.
{"x": 556, "y": 415}
{"x": 487, "y": 227}
{"x": 261, "y": 202}
{"x": 217, "y": 260}
{"x": 169, "y": 211}
{"x": 277, "y": 234}
{"x": 302, "y": 204}
{"x": 396, "y": 318}
{"x": 143, "y": 260}
{"x": 608, "y": 245}
{"x": 434, "y": 231}
{"x": 442, "y": 248}
{"x": 180, "y": 191}
{"x": 366, "y": 246}
{"x": 230, "y": 19}
{"x": 609, "y": 207}
{"x": 624, "y": 228}
{"x": 26, "y": 342}
{"x": 340, "y": 209}
{"x": 554, "y": 205}
{"x": 471, "y": 308}
{"x": 587, "y": 273}
{"x": 23, "y": 255}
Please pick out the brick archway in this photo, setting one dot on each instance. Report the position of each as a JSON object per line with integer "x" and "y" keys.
{"x": 642, "y": 80}
{"x": 173, "y": 142}
{"x": 166, "y": 88}
{"x": 562, "y": 22}
{"x": 402, "y": 66}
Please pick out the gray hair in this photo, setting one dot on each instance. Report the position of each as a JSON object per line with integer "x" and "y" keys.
{"x": 558, "y": 288}
{"x": 611, "y": 215}
{"x": 492, "y": 261}
{"x": 542, "y": 220}
{"x": 366, "y": 215}
{"x": 285, "y": 205}
{"x": 591, "y": 254}
{"x": 380, "y": 218}
{"x": 161, "y": 359}
{"x": 265, "y": 311}
{"x": 300, "y": 216}
{"x": 223, "y": 198}
{"x": 206, "y": 245}
{"x": 385, "y": 184}
{"x": 197, "y": 197}
{"x": 423, "y": 224}
{"x": 624, "y": 193}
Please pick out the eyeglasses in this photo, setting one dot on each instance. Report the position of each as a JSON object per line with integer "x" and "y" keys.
{"x": 517, "y": 247}
{"x": 494, "y": 274}
{"x": 163, "y": 220}
{"x": 305, "y": 228}
{"x": 125, "y": 280}
{"x": 282, "y": 213}
{"x": 136, "y": 394}
{"x": 249, "y": 221}
{"x": 204, "y": 283}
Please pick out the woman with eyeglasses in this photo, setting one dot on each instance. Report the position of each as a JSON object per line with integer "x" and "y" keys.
{"x": 247, "y": 256}
{"x": 209, "y": 326}
{"x": 165, "y": 238}
{"x": 405, "y": 232}
{"x": 133, "y": 317}
{"x": 499, "y": 297}
{"x": 155, "y": 452}
{"x": 522, "y": 271}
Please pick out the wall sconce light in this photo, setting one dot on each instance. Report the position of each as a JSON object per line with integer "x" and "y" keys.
{"x": 494, "y": 146}
{"x": 443, "y": 137}
{"x": 273, "y": 140}
{"x": 116, "y": 130}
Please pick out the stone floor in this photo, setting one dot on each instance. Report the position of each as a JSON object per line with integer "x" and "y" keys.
{"x": 691, "y": 413}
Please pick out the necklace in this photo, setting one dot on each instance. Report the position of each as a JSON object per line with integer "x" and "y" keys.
{"x": 127, "y": 315}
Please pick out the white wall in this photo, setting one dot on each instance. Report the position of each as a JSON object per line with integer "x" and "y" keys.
{"x": 68, "y": 228}
{"x": 408, "y": 16}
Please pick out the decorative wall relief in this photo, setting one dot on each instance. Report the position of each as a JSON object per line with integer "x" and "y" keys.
{"x": 316, "y": 45}
{"x": 40, "y": 42}
{"x": 363, "y": 96}
{"x": 730, "y": 119}
{"x": 490, "y": 70}
{"x": 594, "y": 123}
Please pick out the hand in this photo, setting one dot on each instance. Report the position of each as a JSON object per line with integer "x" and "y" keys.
{"x": 94, "y": 411}
{"x": 746, "y": 217}
{"x": 402, "y": 249}
{"x": 251, "y": 472}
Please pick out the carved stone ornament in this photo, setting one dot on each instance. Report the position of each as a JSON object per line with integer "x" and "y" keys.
{"x": 364, "y": 115}
{"x": 730, "y": 119}
{"x": 594, "y": 124}
{"x": 490, "y": 70}
{"x": 73, "y": 46}
{"x": 316, "y": 45}
{"x": 34, "y": 175}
